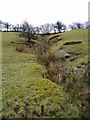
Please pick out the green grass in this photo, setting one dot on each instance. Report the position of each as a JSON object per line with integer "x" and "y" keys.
{"x": 22, "y": 83}
{"x": 81, "y": 49}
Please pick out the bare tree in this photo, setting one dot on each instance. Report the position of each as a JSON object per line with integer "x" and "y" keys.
{"x": 79, "y": 25}
{"x": 59, "y": 26}
{"x": 14, "y": 28}
{"x": 27, "y": 31}
{"x": 37, "y": 30}
{"x": 1, "y": 25}
{"x": 54, "y": 29}
{"x": 72, "y": 27}
{"x": 17, "y": 28}
{"x": 46, "y": 28}
{"x": 76, "y": 25}
{"x": 64, "y": 28}
{"x": 87, "y": 24}
{"x": 7, "y": 25}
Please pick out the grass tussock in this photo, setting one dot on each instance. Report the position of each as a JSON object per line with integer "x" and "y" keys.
{"x": 23, "y": 48}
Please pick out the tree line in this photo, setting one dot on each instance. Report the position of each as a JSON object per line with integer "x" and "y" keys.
{"x": 44, "y": 29}
{"x": 28, "y": 30}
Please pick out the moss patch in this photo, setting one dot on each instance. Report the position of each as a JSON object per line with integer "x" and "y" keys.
{"x": 41, "y": 92}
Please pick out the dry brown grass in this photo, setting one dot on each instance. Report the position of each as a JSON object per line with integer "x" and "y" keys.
{"x": 23, "y": 48}
{"x": 48, "y": 59}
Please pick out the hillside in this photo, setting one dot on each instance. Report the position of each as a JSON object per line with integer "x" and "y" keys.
{"x": 76, "y": 43}
{"x": 26, "y": 92}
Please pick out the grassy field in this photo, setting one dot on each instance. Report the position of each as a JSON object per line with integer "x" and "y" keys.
{"x": 25, "y": 90}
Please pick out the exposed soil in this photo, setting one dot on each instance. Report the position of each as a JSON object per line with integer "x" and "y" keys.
{"x": 73, "y": 55}
{"x": 54, "y": 37}
{"x": 72, "y": 43}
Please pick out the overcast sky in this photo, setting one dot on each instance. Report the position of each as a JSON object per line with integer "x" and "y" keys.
{"x": 38, "y": 12}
